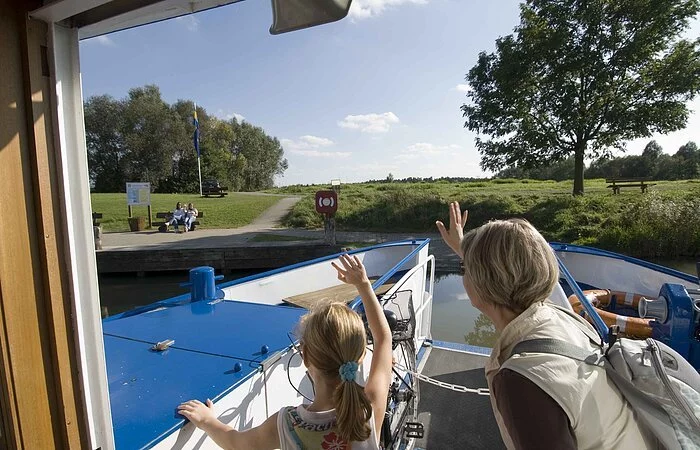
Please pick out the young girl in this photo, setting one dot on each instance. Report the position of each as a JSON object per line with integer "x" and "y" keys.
{"x": 343, "y": 414}
{"x": 191, "y": 214}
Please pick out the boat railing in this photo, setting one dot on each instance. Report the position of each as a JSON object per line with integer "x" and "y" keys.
{"x": 422, "y": 271}
{"x": 598, "y": 323}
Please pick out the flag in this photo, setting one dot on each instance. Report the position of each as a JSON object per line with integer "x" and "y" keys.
{"x": 195, "y": 137}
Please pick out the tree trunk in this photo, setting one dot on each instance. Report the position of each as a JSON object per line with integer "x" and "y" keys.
{"x": 579, "y": 152}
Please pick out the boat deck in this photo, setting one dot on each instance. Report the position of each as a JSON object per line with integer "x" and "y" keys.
{"x": 453, "y": 419}
{"x": 217, "y": 346}
{"x": 344, "y": 293}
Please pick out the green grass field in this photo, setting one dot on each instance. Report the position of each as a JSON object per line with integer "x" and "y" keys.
{"x": 661, "y": 223}
{"x": 232, "y": 211}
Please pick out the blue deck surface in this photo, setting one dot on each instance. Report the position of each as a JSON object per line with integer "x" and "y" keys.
{"x": 145, "y": 387}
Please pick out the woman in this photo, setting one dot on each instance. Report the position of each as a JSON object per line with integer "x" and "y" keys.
{"x": 177, "y": 218}
{"x": 539, "y": 400}
{"x": 190, "y": 216}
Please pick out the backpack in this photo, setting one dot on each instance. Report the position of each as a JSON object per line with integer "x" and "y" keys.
{"x": 662, "y": 388}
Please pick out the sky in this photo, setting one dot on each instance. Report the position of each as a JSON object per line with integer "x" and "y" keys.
{"x": 376, "y": 93}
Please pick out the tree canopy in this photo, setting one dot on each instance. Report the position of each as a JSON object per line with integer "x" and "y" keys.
{"x": 143, "y": 138}
{"x": 580, "y": 78}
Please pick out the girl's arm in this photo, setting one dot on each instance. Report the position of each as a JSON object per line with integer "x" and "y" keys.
{"x": 262, "y": 437}
{"x": 377, "y": 386}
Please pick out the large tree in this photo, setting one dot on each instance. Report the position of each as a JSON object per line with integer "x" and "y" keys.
{"x": 582, "y": 77}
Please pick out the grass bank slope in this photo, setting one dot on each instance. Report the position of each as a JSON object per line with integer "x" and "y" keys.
{"x": 661, "y": 223}
{"x": 233, "y": 211}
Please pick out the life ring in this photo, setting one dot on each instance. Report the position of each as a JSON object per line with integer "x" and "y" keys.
{"x": 603, "y": 298}
{"x": 631, "y": 326}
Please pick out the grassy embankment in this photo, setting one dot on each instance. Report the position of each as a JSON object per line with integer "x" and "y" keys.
{"x": 232, "y": 211}
{"x": 661, "y": 223}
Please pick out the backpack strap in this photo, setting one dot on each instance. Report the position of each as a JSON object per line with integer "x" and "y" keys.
{"x": 558, "y": 347}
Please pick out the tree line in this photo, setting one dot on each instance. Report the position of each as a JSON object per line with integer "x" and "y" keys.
{"x": 652, "y": 163}
{"x": 142, "y": 138}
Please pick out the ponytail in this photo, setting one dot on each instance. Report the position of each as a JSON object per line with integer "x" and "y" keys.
{"x": 333, "y": 340}
{"x": 353, "y": 411}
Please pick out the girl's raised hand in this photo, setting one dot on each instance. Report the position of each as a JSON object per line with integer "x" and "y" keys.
{"x": 352, "y": 272}
{"x": 197, "y": 412}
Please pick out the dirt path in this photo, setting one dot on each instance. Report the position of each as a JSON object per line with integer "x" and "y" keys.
{"x": 272, "y": 216}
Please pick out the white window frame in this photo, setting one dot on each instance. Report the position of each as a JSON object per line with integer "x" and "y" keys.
{"x": 71, "y": 149}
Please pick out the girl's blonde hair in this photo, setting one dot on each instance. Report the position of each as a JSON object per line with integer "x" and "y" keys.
{"x": 332, "y": 335}
{"x": 509, "y": 263}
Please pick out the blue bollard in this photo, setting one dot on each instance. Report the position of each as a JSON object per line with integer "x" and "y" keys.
{"x": 202, "y": 284}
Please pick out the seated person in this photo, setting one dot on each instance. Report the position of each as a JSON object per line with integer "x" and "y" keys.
{"x": 343, "y": 414}
{"x": 177, "y": 218}
{"x": 190, "y": 216}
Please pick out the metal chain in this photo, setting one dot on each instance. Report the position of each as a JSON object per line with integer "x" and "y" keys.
{"x": 442, "y": 384}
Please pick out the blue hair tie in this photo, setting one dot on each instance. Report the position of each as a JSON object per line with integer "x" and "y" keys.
{"x": 348, "y": 371}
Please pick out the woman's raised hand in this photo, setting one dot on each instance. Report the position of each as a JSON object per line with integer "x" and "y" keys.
{"x": 453, "y": 236}
{"x": 352, "y": 272}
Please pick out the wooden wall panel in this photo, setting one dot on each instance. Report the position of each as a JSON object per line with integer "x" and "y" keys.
{"x": 39, "y": 392}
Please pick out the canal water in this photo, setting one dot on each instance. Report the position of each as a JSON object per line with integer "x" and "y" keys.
{"x": 454, "y": 318}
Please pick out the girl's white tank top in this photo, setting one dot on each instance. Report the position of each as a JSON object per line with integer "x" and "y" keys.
{"x": 300, "y": 429}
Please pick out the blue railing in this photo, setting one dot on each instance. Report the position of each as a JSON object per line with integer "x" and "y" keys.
{"x": 598, "y": 323}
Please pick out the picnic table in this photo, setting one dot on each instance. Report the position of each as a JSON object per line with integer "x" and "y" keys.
{"x": 618, "y": 183}
{"x": 212, "y": 187}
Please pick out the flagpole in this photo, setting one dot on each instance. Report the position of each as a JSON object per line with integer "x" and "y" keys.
{"x": 199, "y": 164}
{"x": 199, "y": 167}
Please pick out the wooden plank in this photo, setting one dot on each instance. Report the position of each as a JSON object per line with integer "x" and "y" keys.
{"x": 343, "y": 293}
{"x": 31, "y": 410}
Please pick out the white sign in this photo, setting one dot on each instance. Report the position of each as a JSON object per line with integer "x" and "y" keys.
{"x": 138, "y": 194}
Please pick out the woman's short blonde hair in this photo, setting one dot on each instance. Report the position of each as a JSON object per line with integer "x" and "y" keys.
{"x": 509, "y": 263}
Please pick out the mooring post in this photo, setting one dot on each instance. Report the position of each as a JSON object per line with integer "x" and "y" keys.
{"x": 202, "y": 284}
{"x": 329, "y": 228}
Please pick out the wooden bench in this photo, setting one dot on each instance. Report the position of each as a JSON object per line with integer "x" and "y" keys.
{"x": 617, "y": 183}
{"x": 166, "y": 217}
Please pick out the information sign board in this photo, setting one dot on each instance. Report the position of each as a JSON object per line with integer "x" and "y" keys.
{"x": 138, "y": 194}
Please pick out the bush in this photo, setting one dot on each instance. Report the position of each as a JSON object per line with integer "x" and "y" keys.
{"x": 660, "y": 223}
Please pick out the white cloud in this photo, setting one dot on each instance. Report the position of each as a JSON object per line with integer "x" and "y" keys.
{"x": 189, "y": 21}
{"x": 308, "y": 145}
{"x": 315, "y": 141}
{"x": 464, "y": 88}
{"x": 228, "y": 116}
{"x": 363, "y": 9}
{"x": 238, "y": 117}
{"x": 102, "y": 40}
{"x": 370, "y": 123}
{"x": 321, "y": 154}
{"x": 425, "y": 149}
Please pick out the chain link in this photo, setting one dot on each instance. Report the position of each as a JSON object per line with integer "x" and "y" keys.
{"x": 442, "y": 384}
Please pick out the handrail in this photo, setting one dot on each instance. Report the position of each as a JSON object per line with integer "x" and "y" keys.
{"x": 598, "y": 323}
{"x": 409, "y": 274}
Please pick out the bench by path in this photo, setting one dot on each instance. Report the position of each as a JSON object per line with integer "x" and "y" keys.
{"x": 622, "y": 182}
{"x": 166, "y": 217}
